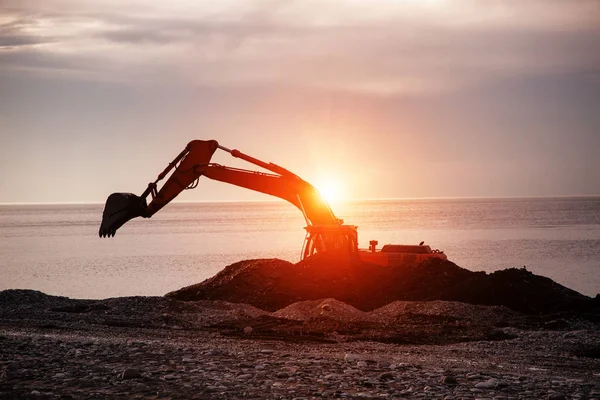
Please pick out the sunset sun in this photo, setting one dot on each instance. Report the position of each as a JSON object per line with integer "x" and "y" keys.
{"x": 330, "y": 189}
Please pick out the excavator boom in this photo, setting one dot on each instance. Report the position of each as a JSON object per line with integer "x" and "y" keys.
{"x": 193, "y": 163}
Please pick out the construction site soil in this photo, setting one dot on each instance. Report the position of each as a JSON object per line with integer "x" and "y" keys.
{"x": 272, "y": 284}
{"x": 326, "y": 327}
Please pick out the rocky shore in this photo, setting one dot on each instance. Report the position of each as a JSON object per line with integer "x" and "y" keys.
{"x": 163, "y": 348}
{"x": 326, "y": 327}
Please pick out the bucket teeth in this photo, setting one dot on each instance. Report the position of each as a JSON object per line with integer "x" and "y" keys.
{"x": 120, "y": 208}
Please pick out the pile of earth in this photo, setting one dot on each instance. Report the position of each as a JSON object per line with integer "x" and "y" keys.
{"x": 272, "y": 284}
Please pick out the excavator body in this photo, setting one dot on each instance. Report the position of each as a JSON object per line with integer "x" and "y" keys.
{"x": 395, "y": 255}
{"x": 324, "y": 231}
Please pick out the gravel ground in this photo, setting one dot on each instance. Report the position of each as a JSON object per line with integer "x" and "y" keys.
{"x": 160, "y": 348}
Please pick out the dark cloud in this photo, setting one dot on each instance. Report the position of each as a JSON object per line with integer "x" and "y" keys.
{"x": 40, "y": 61}
{"x": 8, "y": 40}
{"x": 11, "y": 34}
{"x": 138, "y": 36}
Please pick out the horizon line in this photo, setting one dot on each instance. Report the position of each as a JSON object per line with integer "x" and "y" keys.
{"x": 331, "y": 202}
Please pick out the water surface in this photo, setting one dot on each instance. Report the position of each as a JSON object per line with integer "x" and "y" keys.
{"x": 56, "y": 249}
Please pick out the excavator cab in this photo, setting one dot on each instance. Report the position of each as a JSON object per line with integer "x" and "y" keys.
{"x": 322, "y": 238}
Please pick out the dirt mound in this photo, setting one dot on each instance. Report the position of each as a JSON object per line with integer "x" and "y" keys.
{"x": 327, "y": 308}
{"x": 272, "y": 284}
{"x": 451, "y": 309}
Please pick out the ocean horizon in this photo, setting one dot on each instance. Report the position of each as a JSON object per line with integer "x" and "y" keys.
{"x": 55, "y": 248}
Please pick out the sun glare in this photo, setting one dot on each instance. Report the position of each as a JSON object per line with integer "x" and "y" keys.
{"x": 330, "y": 189}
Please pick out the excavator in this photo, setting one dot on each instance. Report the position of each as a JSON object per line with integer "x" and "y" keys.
{"x": 324, "y": 231}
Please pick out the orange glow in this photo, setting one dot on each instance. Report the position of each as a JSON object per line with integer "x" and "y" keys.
{"x": 330, "y": 189}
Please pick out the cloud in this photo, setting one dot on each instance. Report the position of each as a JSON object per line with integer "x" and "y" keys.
{"x": 12, "y": 35}
{"x": 410, "y": 47}
{"x": 12, "y": 41}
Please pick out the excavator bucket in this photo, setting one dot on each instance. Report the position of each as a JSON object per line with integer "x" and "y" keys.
{"x": 120, "y": 208}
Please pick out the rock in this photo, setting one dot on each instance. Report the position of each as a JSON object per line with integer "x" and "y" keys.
{"x": 386, "y": 376}
{"x": 216, "y": 352}
{"x": 474, "y": 376}
{"x": 449, "y": 380}
{"x": 248, "y": 330}
{"x": 349, "y": 357}
{"x": 361, "y": 364}
{"x": 130, "y": 373}
{"x": 289, "y": 369}
{"x": 35, "y": 393}
{"x": 489, "y": 384}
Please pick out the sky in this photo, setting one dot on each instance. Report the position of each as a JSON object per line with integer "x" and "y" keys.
{"x": 372, "y": 99}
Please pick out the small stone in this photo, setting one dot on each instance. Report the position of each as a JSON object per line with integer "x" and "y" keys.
{"x": 169, "y": 377}
{"x": 248, "y": 330}
{"x": 130, "y": 373}
{"x": 361, "y": 364}
{"x": 267, "y": 351}
{"x": 259, "y": 366}
{"x": 351, "y": 357}
{"x": 216, "y": 352}
{"x": 489, "y": 384}
{"x": 449, "y": 380}
{"x": 386, "y": 376}
{"x": 35, "y": 393}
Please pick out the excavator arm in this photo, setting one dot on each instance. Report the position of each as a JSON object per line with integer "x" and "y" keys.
{"x": 194, "y": 162}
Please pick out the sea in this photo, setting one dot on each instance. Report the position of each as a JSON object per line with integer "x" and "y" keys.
{"x": 56, "y": 249}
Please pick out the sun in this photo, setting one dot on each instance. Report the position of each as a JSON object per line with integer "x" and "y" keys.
{"x": 330, "y": 189}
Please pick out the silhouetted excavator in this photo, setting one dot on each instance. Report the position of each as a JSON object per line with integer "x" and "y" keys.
{"x": 325, "y": 232}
